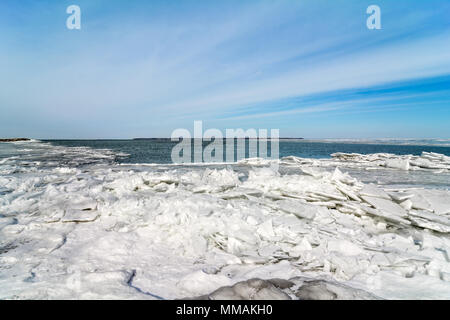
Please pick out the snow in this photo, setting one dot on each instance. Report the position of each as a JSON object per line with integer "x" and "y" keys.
{"x": 86, "y": 228}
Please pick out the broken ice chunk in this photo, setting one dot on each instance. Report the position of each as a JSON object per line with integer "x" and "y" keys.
{"x": 427, "y": 224}
{"x": 387, "y": 217}
{"x": 371, "y": 190}
{"x": 265, "y": 230}
{"x": 298, "y": 249}
{"x": 419, "y": 202}
{"x": 386, "y": 206}
{"x": 400, "y": 196}
{"x": 241, "y": 193}
{"x": 268, "y": 251}
{"x": 299, "y": 209}
{"x": 438, "y": 199}
{"x": 402, "y": 164}
{"x": 87, "y": 204}
{"x": 327, "y": 196}
{"x": 430, "y": 221}
{"x": 75, "y": 215}
{"x": 340, "y": 177}
{"x": 407, "y": 204}
{"x": 344, "y": 247}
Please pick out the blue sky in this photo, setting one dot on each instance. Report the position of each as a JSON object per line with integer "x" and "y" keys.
{"x": 144, "y": 68}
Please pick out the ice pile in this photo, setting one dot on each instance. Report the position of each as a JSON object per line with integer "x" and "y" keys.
{"x": 426, "y": 161}
{"x": 101, "y": 230}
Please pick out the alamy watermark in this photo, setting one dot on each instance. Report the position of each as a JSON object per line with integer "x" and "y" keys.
{"x": 73, "y": 22}
{"x": 374, "y": 20}
{"x": 234, "y": 145}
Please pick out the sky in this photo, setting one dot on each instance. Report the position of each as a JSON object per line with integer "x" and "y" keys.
{"x": 309, "y": 68}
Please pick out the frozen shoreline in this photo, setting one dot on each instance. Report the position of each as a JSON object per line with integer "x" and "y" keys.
{"x": 74, "y": 225}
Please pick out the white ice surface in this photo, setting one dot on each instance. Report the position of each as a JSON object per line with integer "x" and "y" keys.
{"x": 90, "y": 229}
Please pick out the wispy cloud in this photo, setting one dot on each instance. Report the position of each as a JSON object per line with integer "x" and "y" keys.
{"x": 146, "y": 68}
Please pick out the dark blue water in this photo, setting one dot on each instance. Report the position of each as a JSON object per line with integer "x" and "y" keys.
{"x": 159, "y": 150}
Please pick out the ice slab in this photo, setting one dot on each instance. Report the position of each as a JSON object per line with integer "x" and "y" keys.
{"x": 371, "y": 190}
{"x": 74, "y": 215}
{"x": 387, "y": 207}
{"x": 402, "y": 164}
{"x": 298, "y": 209}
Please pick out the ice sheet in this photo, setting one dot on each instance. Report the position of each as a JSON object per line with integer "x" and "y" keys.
{"x": 73, "y": 224}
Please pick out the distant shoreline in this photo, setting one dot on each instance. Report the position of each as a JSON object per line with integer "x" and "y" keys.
{"x": 14, "y": 139}
{"x": 247, "y": 138}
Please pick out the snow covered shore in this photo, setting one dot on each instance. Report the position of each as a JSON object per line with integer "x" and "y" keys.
{"x": 75, "y": 225}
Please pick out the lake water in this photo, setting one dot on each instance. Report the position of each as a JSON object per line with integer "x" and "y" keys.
{"x": 159, "y": 150}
